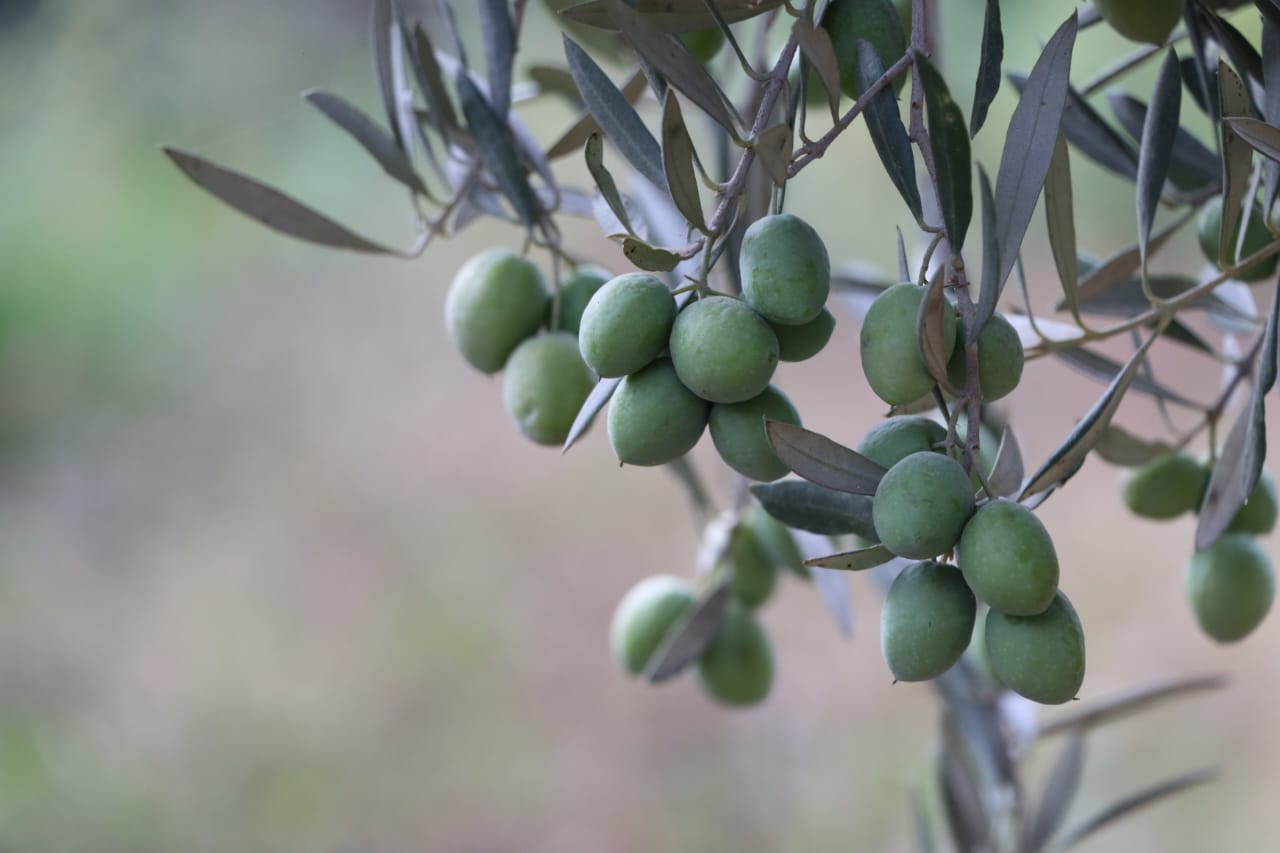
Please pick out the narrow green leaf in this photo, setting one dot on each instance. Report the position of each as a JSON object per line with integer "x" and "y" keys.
{"x": 377, "y": 142}
{"x": 1030, "y": 141}
{"x": 821, "y": 460}
{"x": 853, "y": 561}
{"x": 270, "y": 206}
{"x": 682, "y": 469}
{"x": 773, "y": 151}
{"x": 1059, "y": 792}
{"x": 1260, "y": 136}
{"x": 1156, "y": 151}
{"x": 920, "y": 822}
{"x": 1237, "y": 161}
{"x": 431, "y": 81}
{"x": 989, "y": 290}
{"x": 988, "y": 85}
{"x": 815, "y": 44}
{"x": 1120, "y": 447}
{"x": 1122, "y": 265}
{"x": 671, "y": 16}
{"x": 688, "y": 639}
{"x": 676, "y": 64}
{"x": 1135, "y": 801}
{"x": 1236, "y": 46}
{"x": 646, "y": 257}
{"x": 1091, "y": 134}
{"x": 1070, "y": 455}
{"x": 383, "y": 29}
{"x": 807, "y": 506}
{"x": 1270, "y": 105}
{"x": 1008, "y": 471}
{"x": 497, "y": 151}
{"x": 594, "y": 154}
{"x": 888, "y": 133}
{"x": 573, "y": 138}
{"x": 1101, "y": 367}
{"x": 1129, "y": 703}
{"x": 615, "y": 115}
{"x": 1192, "y": 166}
{"x": 961, "y": 798}
{"x": 497, "y": 32}
{"x": 591, "y": 407}
{"x": 950, "y": 143}
{"x": 677, "y": 161}
{"x": 904, "y": 273}
{"x": 1059, "y": 214}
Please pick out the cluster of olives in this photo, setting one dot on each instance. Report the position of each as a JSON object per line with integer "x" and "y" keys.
{"x": 1231, "y": 584}
{"x": 711, "y": 362}
{"x": 498, "y": 315}
{"x": 736, "y": 668}
{"x": 925, "y": 506}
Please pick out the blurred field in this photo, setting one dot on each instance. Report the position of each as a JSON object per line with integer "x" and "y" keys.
{"x": 277, "y": 574}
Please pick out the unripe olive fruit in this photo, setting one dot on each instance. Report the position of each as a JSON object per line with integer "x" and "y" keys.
{"x": 626, "y": 324}
{"x": 654, "y": 418}
{"x": 496, "y": 300}
{"x": 797, "y": 343}
{"x": 723, "y": 350}
{"x": 1258, "y": 515}
{"x": 1141, "y": 20}
{"x": 921, "y": 505}
{"x": 754, "y": 574}
{"x": 1000, "y": 360}
{"x": 926, "y": 622}
{"x": 873, "y": 21}
{"x": 1230, "y": 586}
{"x": 1165, "y": 487}
{"x": 737, "y": 668}
{"x": 1008, "y": 558}
{"x": 778, "y": 542}
{"x": 1256, "y": 237}
{"x": 645, "y": 616}
{"x": 703, "y": 44}
{"x": 545, "y": 384}
{"x": 1038, "y": 657}
{"x": 896, "y": 438}
{"x": 891, "y": 358}
{"x": 739, "y": 435}
{"x": 786, "y": 274}
{"x": 576, "y": 291}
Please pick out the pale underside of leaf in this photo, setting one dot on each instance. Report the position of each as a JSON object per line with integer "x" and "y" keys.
{"x": 823, "y": 461}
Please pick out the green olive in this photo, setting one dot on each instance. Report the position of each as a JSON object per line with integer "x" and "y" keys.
{"x": 926, "y": 622}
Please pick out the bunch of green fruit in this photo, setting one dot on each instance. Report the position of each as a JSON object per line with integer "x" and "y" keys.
{"x": 711, "y": 362}
{"x": 497, "y": 313}
{"x": 1231, "y": 584}
{"x": 736, "y": 668}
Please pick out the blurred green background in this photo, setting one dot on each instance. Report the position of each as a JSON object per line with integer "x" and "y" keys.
{"x": 277, "y": 573}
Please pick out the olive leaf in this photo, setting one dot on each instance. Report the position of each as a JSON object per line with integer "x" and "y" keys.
{"x": 615, "y": 115}
{"x": 497, "y": 151}
{"x": 1120, "y": 447}
{"x": 1070, "y": 455}
{"x": 949, "y": 141}
{"x": 605, "y": 184}
{"x": 1123, "y": 264}
{"x": 384, "y": 31}
{"x": 497, "y": 32}
{"x": 380, "y": 144}
{"x": 573, "y": 138}
{"x": 1101, "y": 367}
{"x": 931, "y": 330}
{"x": 1128, "y": 703}
{"x": 815, "y": 44}
{"x": 1237, "y": 157}
{"x": 1059, "y": 792}
{"x": 888, "y": 133}
{"x": 688, "y": 638}
{"x": 989, "y": 289}
{"x": 821, "y": 460}
{"x": 591, "y": 407}
{"x": 773, "y": 148}
{"x": 431, "y": 81}
{"x": 1260, "y": 136}
{"x": 1008, "y": 471}
{"x": 816, "y": 509}
{"x": 671, "y": 16}
{"x": 1135, "y": 801}
{"x": 1192, "y": 166}
{"x": 270, "y": 206}
{"x": 1090, "y": 133}
{"x": 1159, "y": 131}
{"x": 677, "y": 161}
{"x": 647, "y": 257}
{"x": 853, "y": 561}
{"x": 992, "y": 55}
{"x": 1059, "y": 215}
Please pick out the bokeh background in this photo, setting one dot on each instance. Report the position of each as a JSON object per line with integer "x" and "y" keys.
{"x": 278, "y": 574}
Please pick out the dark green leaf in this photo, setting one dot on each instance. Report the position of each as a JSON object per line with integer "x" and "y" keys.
{"x": 984, "y": 91}
{"x": 651, "y": 258}
{"x": 498, "y": 34}
{"x": 1238, "y": 49}
{"x": 1129, "y": 703}
{"x": 853, "y": 561}
{"x": 1070, "y": 455}
{"x": 1261, "y": 137}
{"x": 1059, "y": 792}
{"x": 678, "y": 16}
{"x": 431, "y": 81}
{"x": 674, "y": 61}
{"x": 1135, "y": 801}
{"x": 593, "y": 405}
{"x": 573, "y": 138}
{"x": 949, "y": 141}
{"x": 989, "y": 291}
{"x": 888, "y": 134}
{"x": 1192, "y": 167}
{"x": 1092, "y": 135}
{"x": 816, "y": 509}
{"x": 904, "y": 273}
{"x": 1156, "y": 151}
{"x": 688, "y": 639}
{"x": 380, "y": 144}
{"x": 961, "y": 792}
{"x": 821, "y": 460}
{"x": 1059, "y": 214}
{"x": 1099, "y": 366}
{"x": 1237, "y": 160}
{"x": 594, "y": 154}
{"x": 497, "y": 151}
{"x": 615, "y": 115}
{"x": 270, "y": 206}
{"x": 1271, "y": 97}
{"x": 1029, "y": 143}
